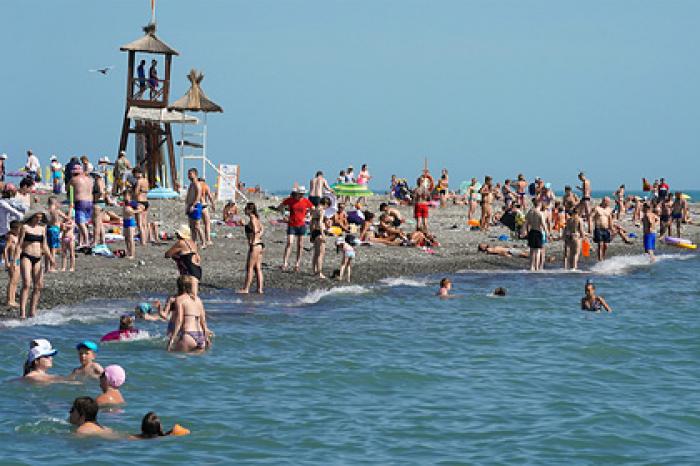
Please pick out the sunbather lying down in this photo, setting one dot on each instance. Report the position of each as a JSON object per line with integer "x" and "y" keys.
{"x": 508, "y": 252}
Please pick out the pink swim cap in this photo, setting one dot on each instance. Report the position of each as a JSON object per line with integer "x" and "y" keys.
{"x": 115, "y": 375}
{"x": 9, "y": 187}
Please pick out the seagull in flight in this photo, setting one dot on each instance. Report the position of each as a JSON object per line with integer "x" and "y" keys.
{"x": 104, "y": 70}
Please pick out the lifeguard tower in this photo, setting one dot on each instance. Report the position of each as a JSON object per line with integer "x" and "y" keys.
{"x": 147, "y": 106}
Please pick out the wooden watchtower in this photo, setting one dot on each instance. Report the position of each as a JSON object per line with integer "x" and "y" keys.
{"x": 146, "y": 105}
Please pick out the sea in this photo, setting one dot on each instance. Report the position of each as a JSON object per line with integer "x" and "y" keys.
{"x": 390, "y": 374}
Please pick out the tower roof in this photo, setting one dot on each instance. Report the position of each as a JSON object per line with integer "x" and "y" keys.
{"x": 195, "y": 100}
{"x": 149, "y": 43}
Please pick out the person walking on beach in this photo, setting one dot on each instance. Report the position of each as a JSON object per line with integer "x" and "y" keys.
{"x": 254, "y": 232}
{"x": 208, "y": 206}
{"x": 298, "y": 207}
{"x": 585, "y": 204}
{"x": 536, "y": 227}
{"x": 10, "y": 264}
{"x": 318, "y": 236}
{"x": 31, "y": 247}
{"x": 649, "y": 222}
{"x": 82, "y": 185}
{"x": 570, "y": 200}
{"x": 602, "y": 218}
{"x": 318, "y": 186}
{"x": 193, "y": 206}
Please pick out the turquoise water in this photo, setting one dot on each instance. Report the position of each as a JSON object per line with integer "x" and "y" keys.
{"x": 389, "y": 374}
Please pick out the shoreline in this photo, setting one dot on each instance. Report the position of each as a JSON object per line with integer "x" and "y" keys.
{"x": 224, "y": 262}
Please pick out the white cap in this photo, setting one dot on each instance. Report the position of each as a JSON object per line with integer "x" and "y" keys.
{"x": 104, "y": 159}
{"x": 299, "y": 189}
{"x": 42, "y": 348}
{"x": 53, "y": 157}
{"x": 3, "y": 156}
{"x": 122, "y": 152}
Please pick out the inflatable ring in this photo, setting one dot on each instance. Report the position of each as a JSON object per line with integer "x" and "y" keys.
{"x": 431, "y": 181}
{"x": 686, "y": 245}
{"x": 179, "y": 431}
{"x": 474, "y": 223}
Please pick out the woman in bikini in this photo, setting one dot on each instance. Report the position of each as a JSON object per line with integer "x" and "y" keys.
{"x": 186, "y": 256}
{"x": 31, "y": 247}
{"x": 592, "y": 303}
{"x": 190, "y": 332}
{"x": 253, "y": 232}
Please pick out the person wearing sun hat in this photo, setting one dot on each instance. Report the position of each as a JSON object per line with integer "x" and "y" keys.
{"x": 87, "y": 352}
{"x": 186, "y": 255}
{"x": 56, "y": 174}
{"x": 111, "y": 379}
{"x": 39, "y": 361}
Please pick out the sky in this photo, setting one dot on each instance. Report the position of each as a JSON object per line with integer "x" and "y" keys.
{"x": 497, "y": 87}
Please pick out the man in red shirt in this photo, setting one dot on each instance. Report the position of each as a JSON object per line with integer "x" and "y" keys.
{"x": 298, "y": 207}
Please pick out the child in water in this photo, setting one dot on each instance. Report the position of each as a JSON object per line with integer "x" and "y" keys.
{"x": 12, "y": 266}
{"x": 126, "y": 329}
{"x": 151, "y": 427}
{"x": 445, "y": 287}
{"x": 591, "y": 302}
{"x": 155, "y": 312}
{"x": 345, "y": 246}
{"x": 87, "y": 352}
{"x": 111, "y": 379}
{"x": 68, "y": 242}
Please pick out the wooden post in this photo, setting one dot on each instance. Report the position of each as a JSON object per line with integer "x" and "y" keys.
{"x": 171, "y": 157}
{"x": 166, "y": 84}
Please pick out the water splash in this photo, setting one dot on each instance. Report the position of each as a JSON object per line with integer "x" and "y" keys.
{"x": 403, "y": 281}
{"x": 317, "y": 295}
{"x": 620, "y": 265}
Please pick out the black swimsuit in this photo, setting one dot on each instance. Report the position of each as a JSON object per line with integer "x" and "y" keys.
{"x": 186, "y": 265}
{"x": 32, "y": 238}
{"x": 249, "y": 232}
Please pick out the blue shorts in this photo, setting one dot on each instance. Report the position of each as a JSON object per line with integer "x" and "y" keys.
{"x": 129, "y": 222}
{"x": 196, "y": 213}
{"x": 296, "y": 231}
{"x": 53, "y": 236}
{"x": 83, "y": 212}
{"x": 649, "y": 242}
{"x": 677, "y": 216}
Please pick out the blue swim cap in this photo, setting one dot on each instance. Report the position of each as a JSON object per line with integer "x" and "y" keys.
{"x": 145, "y": 308}
{"x": 91, "y": 345}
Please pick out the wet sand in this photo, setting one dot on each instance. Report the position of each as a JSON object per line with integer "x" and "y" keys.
{"x": 224, "y": 262}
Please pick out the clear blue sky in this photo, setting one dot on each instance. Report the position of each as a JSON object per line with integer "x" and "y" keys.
{"x": 480, "y": 87}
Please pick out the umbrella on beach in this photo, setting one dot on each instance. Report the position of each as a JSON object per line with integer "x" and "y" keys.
{"x": 352, "y": 190}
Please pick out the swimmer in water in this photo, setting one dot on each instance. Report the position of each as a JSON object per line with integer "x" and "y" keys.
{"x": 87, "y": 352}
{"x": 445, "y": 287}
{"x": 39, "y": 361}
{"x": 111, "y": 379}
{"x": 500, "y": 291}
{"x": 592, "y": 303}
{"x": 83, "y": 415}
{"x": 151, "y": 428}
{"x": 151, "y": 312}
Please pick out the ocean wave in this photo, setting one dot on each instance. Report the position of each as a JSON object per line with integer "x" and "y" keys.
{"x": 63, "y": 315}
{"x": 45, "y": 425}
{"x": 317, "y": 295}
{"x": 619, "y": 265}
{"x": 403, "y": 281}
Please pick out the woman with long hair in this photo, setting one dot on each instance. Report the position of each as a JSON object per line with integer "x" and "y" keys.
{"x": 31, "y": 248}
{"x": 253, "y": 232}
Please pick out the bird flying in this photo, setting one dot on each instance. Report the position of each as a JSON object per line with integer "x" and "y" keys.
{"x": 104, "y": 70}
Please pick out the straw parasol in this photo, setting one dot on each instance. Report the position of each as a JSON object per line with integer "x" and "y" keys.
{"x": 195, "y": 100}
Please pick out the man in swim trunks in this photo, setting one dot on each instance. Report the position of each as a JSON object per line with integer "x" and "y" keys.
{"x": 665, "y": 221}
{"x": 298, "y": 207}
{"x": 318, "y": 186}
{"x": 82, "y": 202}
{"x": 208, "y": 205}
{"x": 340, "y": 218}
{"x": 663, "y": 190}
{"x": 421, "y": 196}
{"x": 193, "y": 206}
{"x": 570, "y": 200}
{"x": 536, "y": 227}
{"x": 649, "y": 221}
{"x": 602, "y": 233}
{"x": 585, "y": 204}
{"x": 521, "y": 186}
{"x": 678, "y": 211}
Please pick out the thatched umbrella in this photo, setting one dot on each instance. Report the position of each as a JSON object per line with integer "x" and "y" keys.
{"x": 195, "y": 100}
